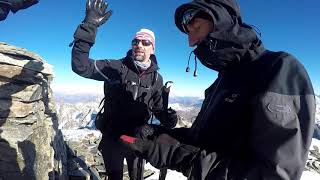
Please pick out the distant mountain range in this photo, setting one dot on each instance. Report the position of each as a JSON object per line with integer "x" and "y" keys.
{"x": 76, "y": 111}
{"x": 79, "y": 110}
{"x": 75, "y": 98}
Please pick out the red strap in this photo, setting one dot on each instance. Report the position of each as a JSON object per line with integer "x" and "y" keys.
{"x": 128, "y": 139}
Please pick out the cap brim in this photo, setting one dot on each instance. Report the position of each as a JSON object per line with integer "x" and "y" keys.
{"x": 182, "y": 9}
{"x": 179, "y": 14}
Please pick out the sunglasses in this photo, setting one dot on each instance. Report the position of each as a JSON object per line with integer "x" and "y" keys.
{"x": 187, "y": 18}
{"x": 144, "y": 42}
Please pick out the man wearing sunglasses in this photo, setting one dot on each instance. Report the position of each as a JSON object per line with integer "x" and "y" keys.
{"x": 133, "y": 89}
{"x": 257, "y": 118}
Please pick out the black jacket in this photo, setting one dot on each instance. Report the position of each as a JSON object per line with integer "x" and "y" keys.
{"x": 131, "y": 95}
{"x": 256, "y": 122}
{"x": 257, "y": 118}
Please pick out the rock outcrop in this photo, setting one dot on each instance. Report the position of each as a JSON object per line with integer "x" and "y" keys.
{"x": 84, "y": 158}
{"x": 31, "y": 146}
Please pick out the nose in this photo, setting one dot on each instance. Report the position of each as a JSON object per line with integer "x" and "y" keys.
{"x": 192, "y": 39}
{"x": 139, "y": 44}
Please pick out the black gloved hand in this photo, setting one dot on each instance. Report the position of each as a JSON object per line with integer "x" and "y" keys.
{"x": 169, "y": 118}
{"x": 4, "y": 9}
{"x": 145, "y": 132}
{"x": 96, "y": 12}
{"x": 150, "y": 131}
{"x": 163, "y": 152}
{"x": 16, "y": 5}
{"x": 145, "y": 147}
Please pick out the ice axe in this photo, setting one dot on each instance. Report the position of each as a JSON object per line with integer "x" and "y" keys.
{"x": 140, "y": 168}
{"x": 165, "y": 93}
{"x": 141, "y": 161}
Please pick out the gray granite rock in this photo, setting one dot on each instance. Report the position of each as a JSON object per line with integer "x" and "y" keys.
{"x": 31, "y": 145}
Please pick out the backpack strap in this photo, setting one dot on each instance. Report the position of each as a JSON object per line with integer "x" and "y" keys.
{"x": 154, "y": 81}
{"x": 155, "y": 77}
{"x": 100, "y": 117}
{"x": 123, "y": 72}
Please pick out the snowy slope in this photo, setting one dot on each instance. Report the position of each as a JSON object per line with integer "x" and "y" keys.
{"x": 171, "y": 175}
{"x": 311, "y": 174}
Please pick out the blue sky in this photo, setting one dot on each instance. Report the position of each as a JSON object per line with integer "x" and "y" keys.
{"x": 47, "y": 28}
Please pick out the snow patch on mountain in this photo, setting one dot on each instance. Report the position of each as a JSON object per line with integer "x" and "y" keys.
{"x": 180, "y": 107}
{"x": 76, "y": 134}
{"x": 171, "y": 174}
{"x": 74, "y": 116}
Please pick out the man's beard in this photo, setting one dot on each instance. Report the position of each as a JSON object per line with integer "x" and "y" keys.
{"x": 139, "y": 57}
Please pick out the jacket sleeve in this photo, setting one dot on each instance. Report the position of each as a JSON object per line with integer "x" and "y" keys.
{"x": 280, "y": 134}
{"x": 102, "y": 70}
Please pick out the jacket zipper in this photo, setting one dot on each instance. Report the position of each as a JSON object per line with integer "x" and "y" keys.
{"x": 139, "y": 83}
{"x": 205, "y": 111}
{"x": 213, "y": 95}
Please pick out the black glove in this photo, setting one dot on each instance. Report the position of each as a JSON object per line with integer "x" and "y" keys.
{"x": 168, "y": 118}
{"x": 145, "y": 132}
{"x": 145, "y": 147}
{"x": 150, "y": 131}
{"x": 16, "y": 5}
{"x": 163, "y": 152}
{"x": 4, "y": 9}
{"x": 96, "y": 12}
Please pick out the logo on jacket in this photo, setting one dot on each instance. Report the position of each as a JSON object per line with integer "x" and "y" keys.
{"x": 232, "y": 98}
{"x": 279, "y": 108}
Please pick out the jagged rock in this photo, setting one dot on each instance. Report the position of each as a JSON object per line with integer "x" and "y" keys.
{"x": 11, "y": 108}
{"x": 30, "y": 94}
{"x": 31, "y": 145}
{"x": 83, "y": 151}
{"x": 85, "y": 158}
{"x": 28, "y": 60}
{"x": 313, "y": 162}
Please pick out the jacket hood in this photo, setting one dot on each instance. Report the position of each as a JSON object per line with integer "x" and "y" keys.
{"x": 228, "y": 25}
{"x": 224, "y": 13}
{"x": 230, "y": 34}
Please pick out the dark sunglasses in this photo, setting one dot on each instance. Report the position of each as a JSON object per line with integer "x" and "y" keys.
{"x": 144, "y": 42}
{"x": 187, "y": 18}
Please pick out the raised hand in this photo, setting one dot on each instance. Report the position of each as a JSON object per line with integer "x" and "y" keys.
{"x": 96, "y": 13}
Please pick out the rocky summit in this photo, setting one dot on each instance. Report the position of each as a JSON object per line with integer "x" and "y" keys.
{"x": 31, "y": 145}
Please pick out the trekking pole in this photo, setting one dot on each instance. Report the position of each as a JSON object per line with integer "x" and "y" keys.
{"x": 140, "y": 168}
{"x": 163, "y": 174}
{"x": 165, "y": 96}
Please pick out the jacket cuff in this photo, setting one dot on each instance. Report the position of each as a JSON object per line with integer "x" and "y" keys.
{"x": 86, "y": 32}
